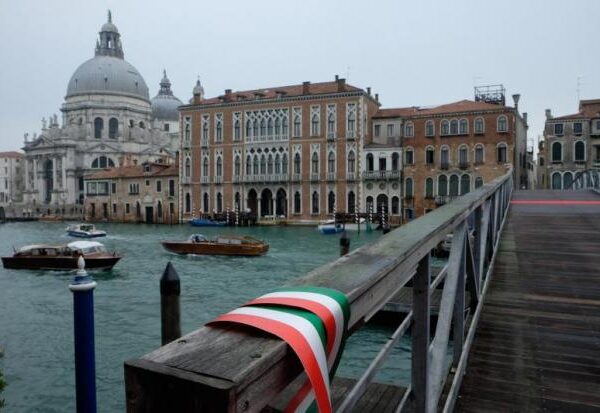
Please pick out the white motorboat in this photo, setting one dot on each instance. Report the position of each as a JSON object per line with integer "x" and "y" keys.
{"x": 85, "y": 231}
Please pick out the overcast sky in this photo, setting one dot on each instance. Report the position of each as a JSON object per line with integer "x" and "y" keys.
{"x": 411, "y": 53}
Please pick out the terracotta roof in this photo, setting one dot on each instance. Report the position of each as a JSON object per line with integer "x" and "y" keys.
{"x": 11, "y": 154}
{"x": 286, "y": 91}
{"x": 136, "y": 171}
{"x": 455, "y": 107}
{"x": 566, "y": 117}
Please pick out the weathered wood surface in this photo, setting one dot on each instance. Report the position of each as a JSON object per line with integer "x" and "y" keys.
{"x": 255, "y": 366}
{"x": 537, "y": 345}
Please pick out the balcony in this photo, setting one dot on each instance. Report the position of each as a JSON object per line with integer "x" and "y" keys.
{"x": 186, "y": 144}
{"x": 378, "y": 175}
{"x": 596, "y": 163}
{"x": 236, "y": 179}
{"x": 351, "y": 176}
{"x": 463, "y": 165}
{"x": 205, "y": 179}
{"x": 186, "y": 180}
{"x": 350, "y": 135}
{"x": 314, "y": 177}
{"x": 444, "y": 166}
{"x": 297, "y": 177}
{"x": 218, "y": 180}
{"x": 204, "y": 143}
{"x": 330, "y": 136}
{"x": 331, "y": 176}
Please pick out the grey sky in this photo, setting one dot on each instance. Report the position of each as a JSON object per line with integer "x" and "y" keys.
{"x": 411, "y": 53}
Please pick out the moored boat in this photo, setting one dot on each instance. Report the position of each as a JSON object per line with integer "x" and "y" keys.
{"x": 221, "y": 245}
{"x": 85, "y": 231}
{"x": 206, "y": 222}
{"x": 61, "y": 257}
{"x": 330, "y": 227}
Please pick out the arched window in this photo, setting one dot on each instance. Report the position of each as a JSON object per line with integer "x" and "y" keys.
{"x": 351, "y": 124}
{"x": 277, "y": 127}
{"x": 236, "y": 130}
{"x": 465, "y": 184}
{"x": 429, "y": 188}
{"x": 463, "y": 156}
{"x": 331, "y": 202}
{"x": 331, "y": 162}
{"x": 297, "y": 164}
{"x": 429, "y": 155}
{"x": 284, "y": 127}
{"x": 255, "y": 165}
{"x": 204, "y": 131}
{"x": 567, "y": 180}
{"x": 270, "y": 127}
{"x": 331, "y": 124}
{"x": 205, "y": 204}
{"x": 255, "y": 128}
{"x": 501, "y": 153}
{"x": 409, "y": 156}
{"x": 187, "y": 131}
{"x": 98, "y": 126}
{"x": 453, "y": 185}
{"x": 463, "y": 127}
{"x": 297, "y": 126}
{"x": 102, "y": 162}
{"x": 188, "y": 203}
{"x": 219, "y": 130}
{"x": 315, "y": 163}
{"x": 270, "y": 165}
{"x": 263, "y": 165}
{"x": 429, "y": 128}
{"x": 188, "y": 167}
{"x": 205, "y": 167}
{"x": 237, "y": 201}
{"x": 395, "y": 161}
{"x": 248, "y": 128}
{"x": 479, "y": 154}
{"x": 479, "y": 126}
{"x": 297, "y": 203}
{"x": 351, "y": 162}
{"x": 502, "y": 124}
{"x": 284, "y": 163}
{"x": 113, "y": 128}
{"x": 556, "y": 181}
{"x": 409, "y": 193}
{"x": 248, "y": 165}
{"x": 453, "y": 127}
{"x": 444, "y": 157}
{"x": 142, "y": 125}
{"x": 219, "y": 202}
{"x": 314, "y": 125}
{"x": 409, "y": 130}
{"x": 315, "y": 202}
{"x": 277, "y": 164}
{"x": 445, "y": 127}
{"x": 579, "y": 151}
{"x": 237, "y": 166}
{"x": 478, "y": 182}
{"x": 351, "y": 202}
{"x": 442, "y": 185}
{"x": 370, "y": 162}
{"x": 263, "y": 127}
{"x": 395, "y": 205}
{"x": 219, "y": 166}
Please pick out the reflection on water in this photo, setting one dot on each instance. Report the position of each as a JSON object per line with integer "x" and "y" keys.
{"x": 36, "y": 319}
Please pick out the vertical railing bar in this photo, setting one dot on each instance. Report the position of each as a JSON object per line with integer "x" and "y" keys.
{"x": 420, "y": 337}
{"x": 471, "y": 278}
{"x": 477, "y": 238}
{"x": 483, "y": 242}
{"x": 458, "y": 313}
{"x": 404, "y": 399}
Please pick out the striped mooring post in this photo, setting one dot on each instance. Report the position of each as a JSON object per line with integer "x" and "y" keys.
{"x": 82, "y": 286}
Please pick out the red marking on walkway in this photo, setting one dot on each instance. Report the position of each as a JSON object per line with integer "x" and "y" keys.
{"x": 554, "y": 202}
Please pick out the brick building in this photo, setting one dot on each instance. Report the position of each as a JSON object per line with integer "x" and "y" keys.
{"x": 571, "y": 145}
{"x": 137, "y": 193}
{"x": 291, "y": 151}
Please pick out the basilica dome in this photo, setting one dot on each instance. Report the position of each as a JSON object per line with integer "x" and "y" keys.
{"x": 164, "y": 105}
{"x": 108, "y": 72}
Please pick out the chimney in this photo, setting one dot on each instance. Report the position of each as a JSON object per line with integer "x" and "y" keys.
{"x": 369, "y": 90}
{"x": 376, "y": 97}
{"x": 516, "y": 98}
{"x": 227, "y": 95}
{"x": 525, "y": 117}
{"x": 305, "y": 88}
{"x": 341, "y": 85}
{"x": 336, "y": 78}
{"x": 548, "y": 114}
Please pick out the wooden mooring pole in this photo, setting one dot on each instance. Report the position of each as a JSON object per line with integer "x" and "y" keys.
{"x": 170, "y": 314}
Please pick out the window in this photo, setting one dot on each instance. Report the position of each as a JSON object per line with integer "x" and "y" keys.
{"x": 297, "y": 164}
{"x": 370, "y": 162}
{"x": 219, "y": 166}
{"x": 187, "y": 129}
{"x": 205, "y": 120}
{"x": 277, "y": 127}
{"x": 479, "y": 154}
{"x": 142, "y": 125}
{"x": 284, "y": 163}
{"x": 114, "y": 208}
{"x": 409, "y": 130}
{"x": 577, "y": 128}
{"x": 558, "y": 129}
{"x": 297, "y": 203}
{"x": 102, "y": 162}
{"x": 113, "y": 128}
{"x": 315, "y": 127}
{"x": 568, "y": 180}
{"x": 113, "y": 188}
{"x": 297, "y": 122}
{"x": 237, "y": 132}
{"x": 351, "y": 120}
{"x": 263, "y": 127}
{"x": 429, "y": 155}
{"x": 205, "y": 203}
{"x": 270, "y": 127}
{"x": 219, "y": 127}
{"x": 444, "y": 157}
{"x": 408, "y": 188}
{"x": 429, "y": 188}
{"x": 270, "y": 165}
{"x": 463, "y": 127}
{"x": 331, "y": 202}
{"x": 377, "y": 130}
{"x": 445, "y": 126}
{"x": 98, "y": 126}
{"x": 205, "y": 167}
{"x": 351, "y": 162}
{"x": 429, "y": 128}
{"x": 478, "y": 182}
{"x": 188, "y": 167}
{"x": 147, "y": 182}
{"x": 127, "y": 210}
{"x": 556, "y": 181}
{"x": 390, "y": 129}
{"x": 502, "y": 124}
{"x": 219, "y": 202}
{"x": 395, "y": 161}
{"x": 134, "y": 188}
{"x": 315, "y": 202}
{"x": 188, "y": 203}
{"x": 442, "y": 185}
{"x": 331, "y": 163}
{"x": 277, "y": 164}
{"x": 171, "y": 187}
{"x": 237, "y": 166}
{"x": 453, "y": 185}
{"x": 556, "y": 152}
{"x": 463, "y": 156}
{"x": 248, "y": 128}
{"x": 410, "y": 156}
{"x": 479, "y": 125}
{"x": 395, "y": 205}
{"x": 315, "y": 163}
{"x": 453, "y": 127}
{"x": 263, "y": 165}
{"x": 158, "y": 186}
{"x": 579, "y": 151}
{"x": 351, "y": 202}
{"x": 331, "y": 114}
{"x": 465, "y": 184}
{"x": 501, "y": 153}
{"x": 166, "y": 127}
{"x": 284, "y": 126}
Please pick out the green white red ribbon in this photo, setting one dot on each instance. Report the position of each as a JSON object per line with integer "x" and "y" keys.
{"x": 313, "y": 322}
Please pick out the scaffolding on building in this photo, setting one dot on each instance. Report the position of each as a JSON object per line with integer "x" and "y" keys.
{"x": 494, "y": 94}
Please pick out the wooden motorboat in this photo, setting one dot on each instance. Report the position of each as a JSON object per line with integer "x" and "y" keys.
{"x": 221, "y": 245}
{"x": 61, "y": 257}
{"x": 85, "y": 231}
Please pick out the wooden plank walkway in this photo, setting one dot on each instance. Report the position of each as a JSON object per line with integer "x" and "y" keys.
{"x": 537, "y": 345}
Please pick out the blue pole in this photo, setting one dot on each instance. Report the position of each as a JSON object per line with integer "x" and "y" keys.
{"x": 82, "y": 287}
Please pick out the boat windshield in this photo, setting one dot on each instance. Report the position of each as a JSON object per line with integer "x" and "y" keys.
{"x": 86, "y": 227}
{"x": 198, "y": 238}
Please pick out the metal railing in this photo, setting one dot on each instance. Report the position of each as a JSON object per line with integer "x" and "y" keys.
{"x": 245, "y": 371}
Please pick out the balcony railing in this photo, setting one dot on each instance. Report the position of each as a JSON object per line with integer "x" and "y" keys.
{"x": 445, "y": 165}
{"x": 204, "y": 143}
{"x": 463, "y": 165}
{"x": 350, "y": 134}
{"x": 331, "y": 176}
{"x": 186, "y": 144}
{"x": 351, "y": 176}
{"x": 314, "y": 177}
{"x": 186, "y": 180}
{"x": 205, "y": 179}
{"x": 370, "y": 175}
{"x": 236, "y": 178}
{"x": 218, "y": 180}
{"x": 330, "y": 136}
{"x": 297, "y": 177}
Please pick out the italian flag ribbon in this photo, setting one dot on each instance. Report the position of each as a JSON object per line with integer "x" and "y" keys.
{"x": 313, "y": 321}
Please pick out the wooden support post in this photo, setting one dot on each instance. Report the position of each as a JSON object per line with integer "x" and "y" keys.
{"x": 344, "y": 244}
{"x": 170, "y": 318}
{"x": 420, "y": 336}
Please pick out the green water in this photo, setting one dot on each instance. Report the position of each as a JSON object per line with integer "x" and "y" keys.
{"x": 36, "y": 320}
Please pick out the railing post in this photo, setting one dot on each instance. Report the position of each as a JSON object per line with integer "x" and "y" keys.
{"x": 458, "y": 315}
{"x": 82, "y": 286}
{"x": 420, "y": 336}
{"x": 477, "y": 215}
{"x": 170, "y": 319}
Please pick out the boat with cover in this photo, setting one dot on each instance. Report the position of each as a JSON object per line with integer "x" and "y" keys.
{"x": 85, "y": 231}
{"x": 61, "y": 257}
{"x": 220, "y": 245}
{"x": 330, "y": 227}
{"x": 206, "y": 222}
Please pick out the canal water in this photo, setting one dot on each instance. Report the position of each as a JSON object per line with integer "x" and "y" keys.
{"x": 36, "y": 319}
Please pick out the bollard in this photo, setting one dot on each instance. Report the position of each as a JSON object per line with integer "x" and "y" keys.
{"x": 170, "y": 319}
{"x": 82, "y": 287}
{"x": 344, "y": 244}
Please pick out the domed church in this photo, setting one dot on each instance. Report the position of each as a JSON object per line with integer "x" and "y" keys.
{"x": 108, "y": 119}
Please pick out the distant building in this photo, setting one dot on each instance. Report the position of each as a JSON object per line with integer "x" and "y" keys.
{"x": 571, "y": 145}
{"x": 11, "y": 177}
{"x": 108, "y": 120}
{"x": 137, "y": 193}
{"x": 291, "y": 151}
